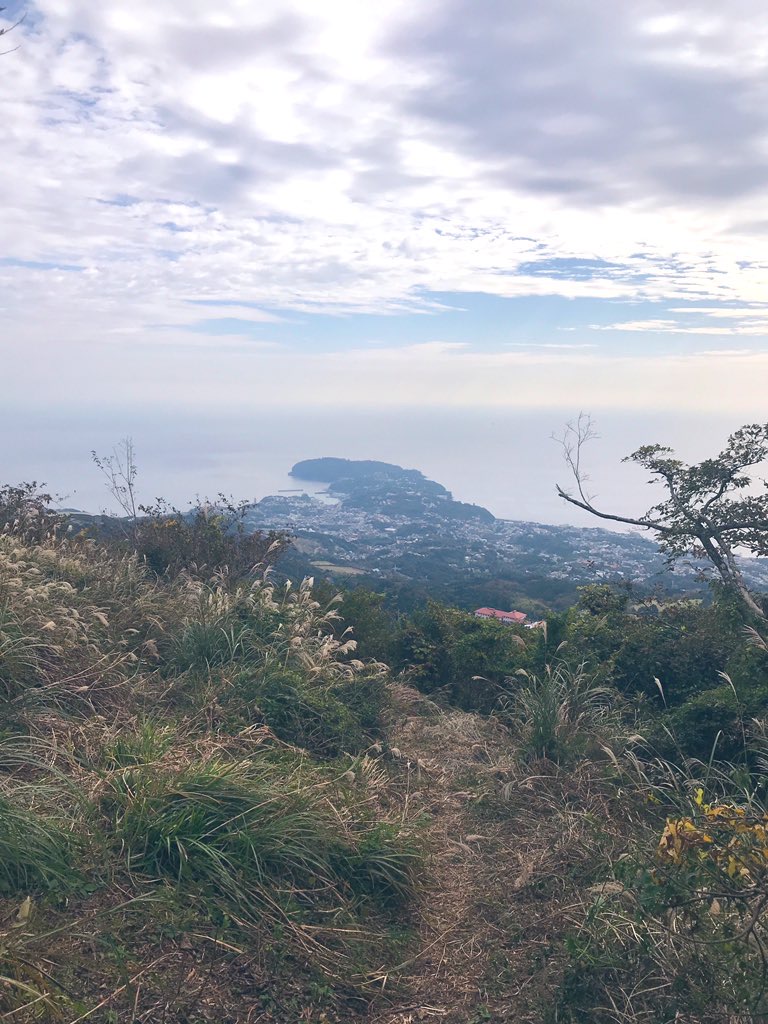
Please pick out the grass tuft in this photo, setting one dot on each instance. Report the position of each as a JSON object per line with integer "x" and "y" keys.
{"x": 36, "y": 851}
{"x": 559, "y": 715}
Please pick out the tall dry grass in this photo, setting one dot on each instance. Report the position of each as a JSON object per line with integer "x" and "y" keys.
{"x": 138, "y": 766}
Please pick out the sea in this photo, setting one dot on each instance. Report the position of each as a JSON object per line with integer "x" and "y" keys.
{"x": 507, "y": 460}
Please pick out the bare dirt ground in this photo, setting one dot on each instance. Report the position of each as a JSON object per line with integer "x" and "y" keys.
{"x": 497, "y": 894}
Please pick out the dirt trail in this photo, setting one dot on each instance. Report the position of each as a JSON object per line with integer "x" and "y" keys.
{"x": 461, "y": 970}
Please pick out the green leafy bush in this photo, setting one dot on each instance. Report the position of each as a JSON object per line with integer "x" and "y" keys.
{"x": 714, "y": 723}
{"x": 684, "y": 645}
{"x": 464, "y": 657}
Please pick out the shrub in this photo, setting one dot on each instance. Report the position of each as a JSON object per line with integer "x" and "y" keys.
{"x": 133, "y": 684}
{"x": 262, "y": 624}
{"x": 686, "y": 647}
{"x": 713, "y": 724}
{"x": 210, "y": 539}
{"x": 560, "y": 714}
{"x": 709, "y": 724}
{"x": 374, "y": 627}
{"x": 681, "y": 643}
{"x": 462, "y": 656}
{"x": 675, "y": 928}
{"x": 25, "y": 512}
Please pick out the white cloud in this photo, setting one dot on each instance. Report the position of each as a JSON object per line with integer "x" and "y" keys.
{"x": 550, "y": 345}
{"x": 756, "y": 325}
{"x": 347, "y": 157}
{"x": 725, "y": 353}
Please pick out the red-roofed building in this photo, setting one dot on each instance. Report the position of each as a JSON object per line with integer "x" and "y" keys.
{"x": 508, "y": 618}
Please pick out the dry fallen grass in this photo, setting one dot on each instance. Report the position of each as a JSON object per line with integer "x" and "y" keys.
{"x": 510, "y": 848}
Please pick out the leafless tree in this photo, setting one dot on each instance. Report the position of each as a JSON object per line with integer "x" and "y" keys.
{"x": 120, "y": 472}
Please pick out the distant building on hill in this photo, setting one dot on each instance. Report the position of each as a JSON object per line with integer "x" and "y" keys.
{"x": 508, "y": 618}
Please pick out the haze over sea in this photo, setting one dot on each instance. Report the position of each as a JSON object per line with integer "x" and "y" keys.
{"x": 502, "y": 459}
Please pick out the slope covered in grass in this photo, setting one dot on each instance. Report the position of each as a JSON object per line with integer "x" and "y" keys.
{"x": 211, "y": 810}
{"x": 187, "y": 811}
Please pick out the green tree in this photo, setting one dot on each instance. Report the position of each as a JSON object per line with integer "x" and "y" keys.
{"x": 465, "y": 657}
{"x": 374, "y": 628}
{"x": 708, "y": 512}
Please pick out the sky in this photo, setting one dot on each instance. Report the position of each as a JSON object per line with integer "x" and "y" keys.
{"x": 451, "y": 205}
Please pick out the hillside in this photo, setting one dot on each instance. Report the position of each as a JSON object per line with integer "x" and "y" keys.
{"x": 334, "y": 470}
{"x": 212, "y": 808}
{"x": 386, "y": 489}
{"x": 183, "y": 779}
{"x": 391, "y": 528}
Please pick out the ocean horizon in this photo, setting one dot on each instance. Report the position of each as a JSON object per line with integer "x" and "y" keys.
{"x": 506, "y": 461}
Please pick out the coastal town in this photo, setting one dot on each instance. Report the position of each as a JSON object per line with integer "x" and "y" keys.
{"x": 339, "y": 537}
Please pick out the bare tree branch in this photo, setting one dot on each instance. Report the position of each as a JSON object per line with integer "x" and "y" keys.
{"x": 10, "y": 28}
{"x": 646, "y": 524}
{"x": 120, "y": 471}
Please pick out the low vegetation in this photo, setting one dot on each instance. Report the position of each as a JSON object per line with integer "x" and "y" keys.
{"x": 184, "y": 785}
{"x": 215, "y": 805}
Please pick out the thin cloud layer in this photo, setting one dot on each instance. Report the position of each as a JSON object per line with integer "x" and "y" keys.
{"x": 600, "y": 103}
{"x": 182, "y": 174}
